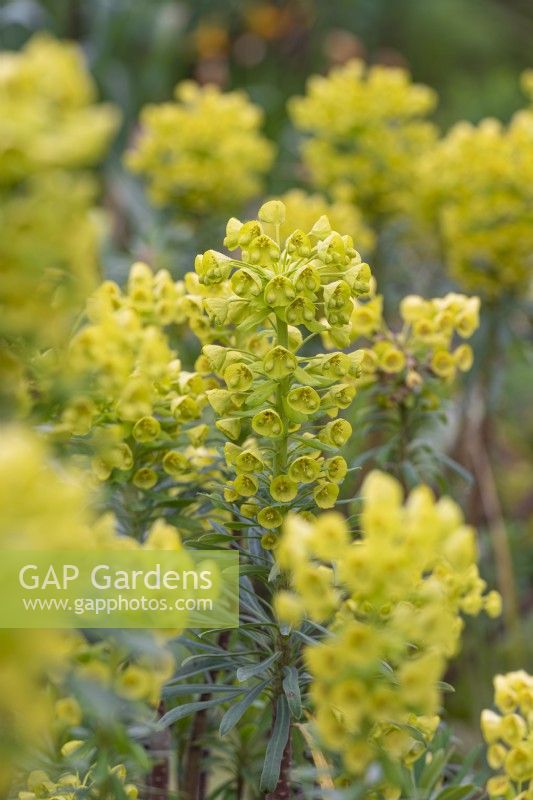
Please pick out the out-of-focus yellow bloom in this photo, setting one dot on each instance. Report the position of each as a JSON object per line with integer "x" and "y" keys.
{"x": 138, "y": 677}
{"x": 404, "y": 584}
{"x": 49, "y": 231}
{"x": 49, "y": 247}
{"x": 367, "y": 318}
{"x": 45, "y": 505}
{"x": 302, "y": 211}
{"x": 41, "y": 506}
{"x": 133, "y": 683}
{"x": 288, "y": 607}
{"x": 68, "y": 711}
{"x": 202, "y": 153}
{"x": 423, "y": 350}
{"x": 49, "y": 117}
{"x": 162, "y": 536}
{"x": 510, "y": 736}
{"x": 129, "y": 390}
{"x": 367, "y": 131}
{"x": 476, "y": 187}
{"x": 68, "y": 785}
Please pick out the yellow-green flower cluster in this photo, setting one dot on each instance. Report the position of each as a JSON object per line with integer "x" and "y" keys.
{"x": 308, "y": 279}
{"x": 269, "y": 396}
{"x": 195, "y": 298}
{"x": 45, "y": 505}
{"x": 132, "y": 395}
{"x": 302, "y": 211}
{"x": 71, "y": 784}
{"x": 393, "y": 598}
{"x": 367, "y": 131}
{"x": 476, "y": 185}
{"x": 48, "y": 114}
{"x": 202, "y": 153}
{"x": 49, "y": 231}
{"x": 41, "y": 506}
{"x": 424, "y": 348}
{"x": 49, "y": 243}
{"x": 137, "y": 677}
{"x": 509, "y": 735}
{"x": 52, "y": 514}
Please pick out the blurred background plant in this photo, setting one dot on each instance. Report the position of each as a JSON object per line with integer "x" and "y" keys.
{"x": 462, "y": 222}
{"x": 52, "y": 129}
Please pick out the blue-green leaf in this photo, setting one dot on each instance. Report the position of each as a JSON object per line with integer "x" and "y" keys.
{"x": 457, "y": 792}
{"x": 180, "y": 689}
{"x": 433, "y": 771}
{"x": 291, "y": 688}
{"x": 276, "y": 746}
{"x": 185, "y": 710}
{"x": 236, "y": 711}
{"x": 244, "y": 673}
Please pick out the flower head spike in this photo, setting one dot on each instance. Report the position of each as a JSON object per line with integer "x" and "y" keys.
{"x": 260, "y": 305}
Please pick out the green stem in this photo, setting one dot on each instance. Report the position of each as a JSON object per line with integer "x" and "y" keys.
{"x": 485, "y": 457}
{"x": 280, "y": 456}
{"x": 282, "y": 331}
{"x": 283, "y": 788}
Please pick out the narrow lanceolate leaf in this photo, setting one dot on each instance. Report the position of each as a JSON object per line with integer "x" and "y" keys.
{"x": 243, "y": 673}
{"x": 236, "y": 711}
{"x": 276, "y": 746}
{"x": 317, "y": 445}
{"x": 210, "y": 659}
{"x": 200, "y": 665}
{"x": 444, "y": 687}
{"x": 180, "y": 689}
{"x": 187, "y": 709}
{"x": 433, "y": 771}
{"x": 196, "y": 644}
{"x": 457, "y": 792}
{"x": 291, "y": 688}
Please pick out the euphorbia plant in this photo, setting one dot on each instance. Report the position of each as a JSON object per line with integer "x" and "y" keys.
{"x": 276, "y": 372}
{"x": 277, "y": 405}
{"x": 332, "y": 684}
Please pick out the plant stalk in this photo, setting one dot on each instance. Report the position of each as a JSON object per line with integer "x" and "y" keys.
{"x": 280, "y": 458}
{"x": 195, "y": 775}
{"x": 283, "y": 789}
{"x": 159, "y": 747}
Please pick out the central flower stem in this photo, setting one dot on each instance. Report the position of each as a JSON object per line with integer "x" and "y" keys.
{"x": 280, "y": 456}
